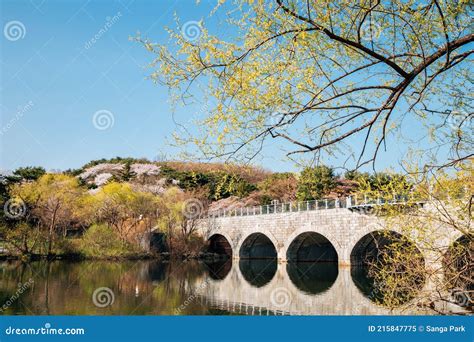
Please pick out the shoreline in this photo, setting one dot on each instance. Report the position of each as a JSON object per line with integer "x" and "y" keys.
{"x": 80, "y": 257}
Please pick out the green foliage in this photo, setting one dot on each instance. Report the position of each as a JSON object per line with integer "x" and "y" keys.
{"x": 125, "y": 210}
{"x": 22, "y": 238}
{"x": 381, "y": 184}
{"x": 315, "y": 183}
{"x": 73, "y": 172}
{"x": 220, "y": 184}
{"x": 29, "y": 173}
{"x": 126, "y": 174}
{"x": 397, "y": 272}
{"x": 278, "y": 186}
{"x": 4, "y": 196}
{"x": 271, "y": 79}
{"x": 54, "y": 201}
{"x": 101, "y": 241}
{"x": 384, "y": 185}
{"x": 226, "y": 185}
{"x": 252, "y": 174}
{"x": 356, "y": 175}
{"x": 64, "y": 246}
{"x": 188, "y": 180}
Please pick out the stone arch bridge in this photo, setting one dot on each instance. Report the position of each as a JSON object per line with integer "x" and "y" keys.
{"x": 327, "y": 230}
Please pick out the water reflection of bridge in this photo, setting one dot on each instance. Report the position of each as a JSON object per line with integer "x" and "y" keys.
{"x": 282, "y": 295}
{"x": 316, "y": 234}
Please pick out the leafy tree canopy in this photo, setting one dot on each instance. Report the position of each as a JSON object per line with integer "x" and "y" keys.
{"x": 315, "y": 183}
{"x": 319, "y": 75}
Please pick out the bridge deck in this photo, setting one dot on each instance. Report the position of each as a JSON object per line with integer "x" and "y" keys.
{"x": 351, "y": 203}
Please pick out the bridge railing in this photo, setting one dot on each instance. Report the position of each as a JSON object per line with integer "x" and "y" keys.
{"x": 360, "y": 201}
{"x": 277, "y": 208}
{"x": 323, "y": 204}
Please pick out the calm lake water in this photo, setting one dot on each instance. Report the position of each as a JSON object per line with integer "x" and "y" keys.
{"x": 248, "y": 287}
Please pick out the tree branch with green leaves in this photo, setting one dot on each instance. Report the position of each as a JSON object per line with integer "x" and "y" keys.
{"x": 319, "y": 75}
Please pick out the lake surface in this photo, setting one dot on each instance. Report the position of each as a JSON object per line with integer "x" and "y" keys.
{"x": 245, "y": 287}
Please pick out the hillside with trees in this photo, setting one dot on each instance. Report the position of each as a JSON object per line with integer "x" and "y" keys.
{"x": 105, "y": 208}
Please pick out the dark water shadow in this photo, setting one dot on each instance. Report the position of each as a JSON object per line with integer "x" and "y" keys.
{"x": 218, "y": 270}
{"x": 312, "y": 277}
{"x": 380, "y": 295}
{"x": 157, "y": 271}
{"x": 258, "y": 272}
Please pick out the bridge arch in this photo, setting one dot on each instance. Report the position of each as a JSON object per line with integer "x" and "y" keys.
{"x": 458, "y": 264}
{"x": 258, "y": 255}
{"x": 323, "y": 231}
{"x": 358, "y": 234}
{"x": 372, "y": 243}
{"x": 220, "y": 244}
{"x": 407, "y": 273}
{"x": 258, "y": 245}
{"x": 311, "y": 246}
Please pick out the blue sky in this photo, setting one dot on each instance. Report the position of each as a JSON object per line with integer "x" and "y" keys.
{"x": 53, "y": 81}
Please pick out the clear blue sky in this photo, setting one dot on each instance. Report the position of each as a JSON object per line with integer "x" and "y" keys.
{"x": 62, "y": 80}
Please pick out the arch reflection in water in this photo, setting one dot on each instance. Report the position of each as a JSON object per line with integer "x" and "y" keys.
{"x": 382, "y": 276}
{"x": 165, "y": 286}
{"x": 258, "y": 272}
{"x": 218, "y": 269}
{"x": 365, "y": 284}
{"x": 459, "y": 271}
{"x": 157, "y": 271}
{"x": 258, "y": 259}
{"x": 311, "y": 277}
